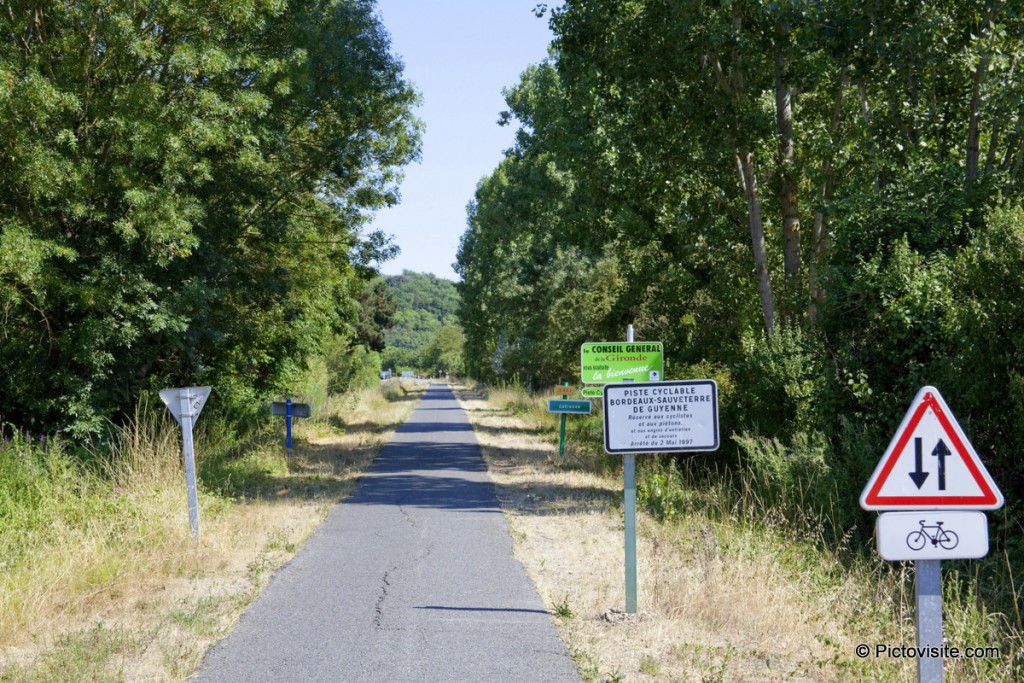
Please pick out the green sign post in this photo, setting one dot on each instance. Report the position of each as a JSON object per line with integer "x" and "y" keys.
{"x": 613, "y": 362}
{"x": 566, "y": 407}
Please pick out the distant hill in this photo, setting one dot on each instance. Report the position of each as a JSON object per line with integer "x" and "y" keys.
{"x": 425, "y": 304}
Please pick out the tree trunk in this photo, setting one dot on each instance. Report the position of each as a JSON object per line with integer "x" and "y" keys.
{"x": 748, "y": 178}
{"x": 820, "y": 240}
{"x": 974, "y": 122}
{"x": 872, "y": 148}
{"x": 793, "y": 290}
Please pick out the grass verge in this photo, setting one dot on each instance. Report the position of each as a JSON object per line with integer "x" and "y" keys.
{"x": 100, "y": 580}
{"x": 729, "y": 589}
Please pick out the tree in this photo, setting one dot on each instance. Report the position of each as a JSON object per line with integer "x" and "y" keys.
{"x": 444, "y": 352}
{"x": 182, "y": 189}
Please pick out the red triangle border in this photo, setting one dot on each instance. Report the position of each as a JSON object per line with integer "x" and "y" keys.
{"x": 988, "y": 497}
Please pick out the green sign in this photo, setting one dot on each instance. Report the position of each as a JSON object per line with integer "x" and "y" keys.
{"x": 613, "y": 362}
{"x": 592, "y": 392}
{"x": 557, "y": 405}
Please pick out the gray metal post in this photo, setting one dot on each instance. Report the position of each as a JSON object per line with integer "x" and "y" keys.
{"x": 629, "y": 502}
{"x": 629, "y": 467}
{"x": 190, "y": 461}
{"x": 928, "y": 593}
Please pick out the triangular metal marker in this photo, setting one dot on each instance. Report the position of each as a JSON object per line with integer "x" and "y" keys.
{"x": 196, "y": 400}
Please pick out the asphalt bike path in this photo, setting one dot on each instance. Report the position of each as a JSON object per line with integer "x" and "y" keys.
{"x": 410, "y": 579}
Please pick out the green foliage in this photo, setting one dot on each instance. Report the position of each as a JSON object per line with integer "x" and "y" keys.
{"x": 32, "y": 475}
{"x": 650, "y": 156}
{"x": 444, "y": 352}
{"x": 660, "y": 492}
{"x": 425, "y": 335}
{"x": 622, "y": 202}
{"x": 794, "y": 480}
{"x": 986, "y": 324}
{"x": 89, "y": 655}
{"x": 779, "y": 379}
{"x": 182, "y": 191}
{"x": 425, "y": 292}
{"x": 354, "y": 369}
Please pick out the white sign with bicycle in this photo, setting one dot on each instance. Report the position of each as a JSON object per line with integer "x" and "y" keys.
{"x": 932, "y": 535}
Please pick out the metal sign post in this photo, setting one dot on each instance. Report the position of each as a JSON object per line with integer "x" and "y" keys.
{"x": 289, "y": 410}
{"x": 928, "y": 596}
{"x": 938, "y": 510}
{"x": 190, "y": 463}
{"x": 185, "y": 405}
{"x": 561, "y": 435}
{"x": 567, "y": 407}
{"x": 629, "y": 502}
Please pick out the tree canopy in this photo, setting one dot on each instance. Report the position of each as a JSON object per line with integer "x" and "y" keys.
{"x": 183, "y": 190}
{"x": 805, "y": 200}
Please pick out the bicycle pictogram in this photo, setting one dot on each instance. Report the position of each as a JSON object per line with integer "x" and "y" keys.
{"x": 943, "y": 538}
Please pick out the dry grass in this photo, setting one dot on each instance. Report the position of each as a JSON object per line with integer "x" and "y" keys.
{"x": 719, "y": 599}
{"x": 130, "y": 596}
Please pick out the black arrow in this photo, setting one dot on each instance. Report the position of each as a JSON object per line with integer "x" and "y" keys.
{"x": 941, "y": 451}
{"x": 918, "y": 475}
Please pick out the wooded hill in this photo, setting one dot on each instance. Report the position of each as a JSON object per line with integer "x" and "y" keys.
{"x": 425, "y": 333}
{"x": 815, "y": 204}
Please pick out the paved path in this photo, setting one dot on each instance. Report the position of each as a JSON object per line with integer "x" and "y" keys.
{"x": 411, "y": 579}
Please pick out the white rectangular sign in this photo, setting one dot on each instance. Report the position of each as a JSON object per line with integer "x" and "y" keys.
{"x": 932, "y": 535}
{"x": 661, "y": 417}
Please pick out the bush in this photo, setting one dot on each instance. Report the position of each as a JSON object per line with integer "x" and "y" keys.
{"x": 660, "y": 490}
{"x": 358, "y": 368}
{"x": 794, "y": 478}
{"x": 778, "y": 383}
{"x": 985, "y": 376}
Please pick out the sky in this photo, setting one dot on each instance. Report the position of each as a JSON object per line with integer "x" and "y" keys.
{"x": 458, "y": 54}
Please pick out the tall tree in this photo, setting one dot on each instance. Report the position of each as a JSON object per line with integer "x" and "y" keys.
{"x": 185, "y": 184}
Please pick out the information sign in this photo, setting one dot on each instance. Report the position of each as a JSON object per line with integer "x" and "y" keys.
{"x": 610, "y": 362}
{"x": 569, "y": 407}
{"x": 932, "y": 535}
{"x": 280, "y": 408}
{"x": 661, "y": 417}
{"x": 592, "y": 392}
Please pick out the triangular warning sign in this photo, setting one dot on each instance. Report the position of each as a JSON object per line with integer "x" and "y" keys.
{"x": 930, "y": 465}
{"x": 194, "y": 400}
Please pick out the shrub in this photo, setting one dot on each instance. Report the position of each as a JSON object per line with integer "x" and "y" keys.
{"x": 794, "y": 478}
{"x": 778, "y": 382}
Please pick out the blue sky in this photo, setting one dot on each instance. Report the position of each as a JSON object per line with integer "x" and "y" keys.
{"x": 459, "y": 54}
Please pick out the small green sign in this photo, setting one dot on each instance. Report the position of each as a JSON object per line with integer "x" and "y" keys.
{"x": 592, "y": 392}
{"x": 613, "y": 362}
{"x": 557, "y": 405}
